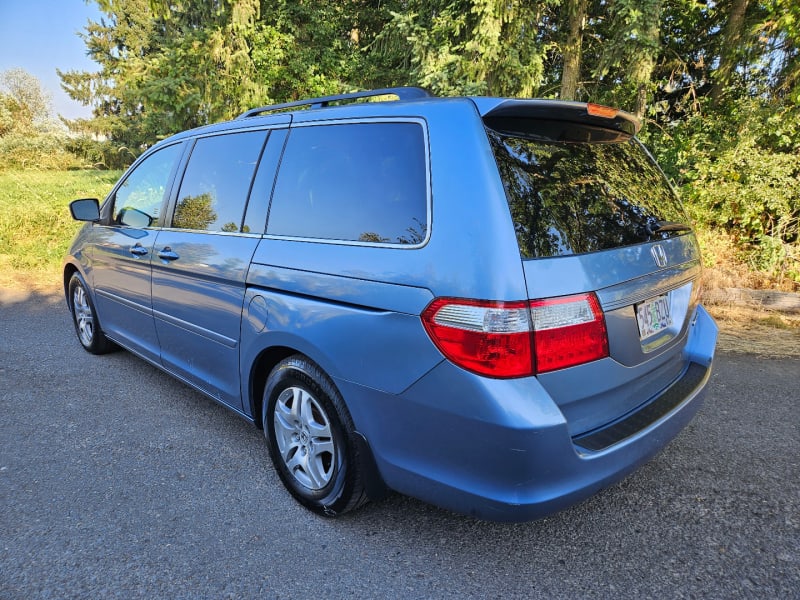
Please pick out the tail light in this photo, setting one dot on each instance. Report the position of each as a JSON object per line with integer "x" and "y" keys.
{"x": 489, "y": 338}
{"x": 517, "y": 339}
{"x": 568, "y": 331}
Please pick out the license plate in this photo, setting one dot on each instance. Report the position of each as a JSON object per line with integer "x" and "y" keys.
{"x": 653, "y": 316}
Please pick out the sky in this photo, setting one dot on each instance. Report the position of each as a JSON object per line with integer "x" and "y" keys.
{"x": 41, "y": 36}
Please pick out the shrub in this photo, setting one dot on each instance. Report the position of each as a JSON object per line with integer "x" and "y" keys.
{"x": 739, "y": 173}
{"x": 33, "y": 150}
{"x": 100, "y": 154}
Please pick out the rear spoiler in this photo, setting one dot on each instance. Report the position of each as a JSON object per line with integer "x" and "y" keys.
{"x": 553, "y": 120}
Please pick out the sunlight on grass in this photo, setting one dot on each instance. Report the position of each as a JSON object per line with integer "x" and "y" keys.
{"x": 35, "y": 225}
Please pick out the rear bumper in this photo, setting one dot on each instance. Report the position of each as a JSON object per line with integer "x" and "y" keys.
{"x": 501, "y": 450}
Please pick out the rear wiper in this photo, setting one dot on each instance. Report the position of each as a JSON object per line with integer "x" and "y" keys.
{"x": 670, "y": 226}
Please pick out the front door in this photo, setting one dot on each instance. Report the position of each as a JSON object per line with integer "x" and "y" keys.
{"x": 123, "y": 249}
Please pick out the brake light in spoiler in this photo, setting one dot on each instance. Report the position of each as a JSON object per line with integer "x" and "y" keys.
{"x": 557, "y": 120}
{"x": 598, "y": 110}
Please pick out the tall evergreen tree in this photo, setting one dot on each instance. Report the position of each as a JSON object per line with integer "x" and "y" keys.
{"x": 576, "y": 13}
{"x": 493, "y": 47}
{"x": 168, "y": 66}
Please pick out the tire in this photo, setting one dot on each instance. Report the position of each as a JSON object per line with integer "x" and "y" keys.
{"x": 84, "y": 317}
{"x": 310, "y": 435}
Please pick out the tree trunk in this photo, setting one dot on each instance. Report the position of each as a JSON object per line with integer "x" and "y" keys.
{"x": 570, "y": 76}
{"x": 729, "y": 53}
{"x": 641, "y": 69}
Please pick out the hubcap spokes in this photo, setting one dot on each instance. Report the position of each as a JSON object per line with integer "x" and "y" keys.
{"x": 83, "y": 316}
{"x": 303, "y": 433}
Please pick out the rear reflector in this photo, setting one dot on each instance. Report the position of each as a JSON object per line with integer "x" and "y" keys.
{"x": 517, "y": 339}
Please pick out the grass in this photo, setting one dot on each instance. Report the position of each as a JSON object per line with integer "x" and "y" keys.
{"x": 727, "y": 266}
{"x": 749, "y": 329}
{"x": 752, "y": 330}
{"x": 35, "y": 225}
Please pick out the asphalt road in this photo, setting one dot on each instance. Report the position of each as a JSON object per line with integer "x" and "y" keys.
{"x": 118, "y": 482}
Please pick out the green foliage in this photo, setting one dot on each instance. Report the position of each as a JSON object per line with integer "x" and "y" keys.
{"x": 167, "y": 71}
{"x": 170, "y": 66}
{"x": 782, "y": 30}
{"x": 99, "y": 154}
{"x": 7, "y": 114}
{"x": 716, "y": 84}
{"x": 24, "y": 104}
{"x": 456, "y": 47}
{"x": 302, "y": 50}
{"x": 628, "y": 54}
{"x": 29, "y": 136}
{"x": 35, "y": 224}
{"x": 736, "y": 178}
{"x": 196, "y": 212}
{"x": 35, "y": 151}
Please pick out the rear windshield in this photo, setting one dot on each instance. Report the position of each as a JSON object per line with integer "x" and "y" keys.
{"x": 572, "y": 198}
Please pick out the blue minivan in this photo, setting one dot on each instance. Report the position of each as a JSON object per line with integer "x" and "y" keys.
{"x": 489, "y": 304}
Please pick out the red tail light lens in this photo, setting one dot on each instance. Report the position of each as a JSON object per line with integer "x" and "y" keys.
{"x": 517, "y": 339}
{"x": 568, "y": 331}
{"x": 488, "y": 338}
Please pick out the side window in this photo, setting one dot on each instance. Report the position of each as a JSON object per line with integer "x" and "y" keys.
{"x": 138, "y": 200}
{"x": 362, "y": 182}
{"x": 257, "y": 206}
{"x": 216, "y": 183}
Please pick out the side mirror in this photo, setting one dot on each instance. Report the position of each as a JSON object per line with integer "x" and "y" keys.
{"x": 85, "y": 209}
{"x": 133, "y": 217}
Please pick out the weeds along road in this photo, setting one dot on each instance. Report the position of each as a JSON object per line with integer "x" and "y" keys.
{"x": 117, "y": 481}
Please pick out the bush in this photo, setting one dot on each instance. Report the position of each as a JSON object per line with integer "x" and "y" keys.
{"x": 33, "y": 150}
{"x": 100, "y": 154}
{"x": 739, "y": 173}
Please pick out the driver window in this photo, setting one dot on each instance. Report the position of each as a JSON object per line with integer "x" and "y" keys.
{"x": 139, "y": 199}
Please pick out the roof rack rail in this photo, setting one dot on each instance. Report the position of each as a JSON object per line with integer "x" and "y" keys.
{"x": 402, "y": 93}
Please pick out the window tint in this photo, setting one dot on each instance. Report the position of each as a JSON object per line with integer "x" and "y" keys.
{"x": 217, "y": 180}
{"x": 584, "y": 197}
{"x": 359, "y": 182}
{"x": 256, "y": 217}
{"x": 138, "y": 200}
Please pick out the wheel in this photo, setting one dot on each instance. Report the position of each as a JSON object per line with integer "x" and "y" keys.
{"x": 84, "y": 317}
{"x": 310, "y": 436}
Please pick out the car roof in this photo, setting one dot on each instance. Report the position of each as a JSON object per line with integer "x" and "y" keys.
{"x": 493, "y": 110}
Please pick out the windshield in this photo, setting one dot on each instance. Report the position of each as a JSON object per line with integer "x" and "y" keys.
{"x": 572, "y": 198}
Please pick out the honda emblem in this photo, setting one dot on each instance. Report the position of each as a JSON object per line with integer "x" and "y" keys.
{"x": 659, "y": 256}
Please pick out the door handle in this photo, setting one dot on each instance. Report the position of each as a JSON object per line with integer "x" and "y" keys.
{"x": 167, "y": 254}
{"x": 138, "y": 250}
